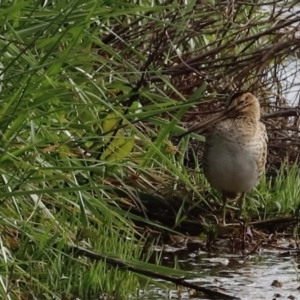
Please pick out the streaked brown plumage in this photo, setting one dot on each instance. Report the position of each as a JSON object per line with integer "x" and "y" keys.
{"x": 235, "y": 149}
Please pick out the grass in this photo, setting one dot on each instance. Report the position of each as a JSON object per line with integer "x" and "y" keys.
{"x": 275, "y": 196}
{"x": 87, "y": 113}
{"x": 280, "y": 195}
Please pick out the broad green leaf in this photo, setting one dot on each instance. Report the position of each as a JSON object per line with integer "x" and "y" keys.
{"x": 111, "y": 121}
{"x": 119, "y": 148}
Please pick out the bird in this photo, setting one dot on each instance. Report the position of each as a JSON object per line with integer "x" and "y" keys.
{"x": 235, "y": 149}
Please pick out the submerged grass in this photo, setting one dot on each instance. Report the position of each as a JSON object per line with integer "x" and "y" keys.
{"x": 83, "y": 136}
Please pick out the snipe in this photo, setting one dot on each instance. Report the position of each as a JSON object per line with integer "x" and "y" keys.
{"x": 235, "y": 149}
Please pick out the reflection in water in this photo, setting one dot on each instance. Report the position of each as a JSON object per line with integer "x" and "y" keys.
{"x": 253, "y": 277}
{"x": 247, "y": 279}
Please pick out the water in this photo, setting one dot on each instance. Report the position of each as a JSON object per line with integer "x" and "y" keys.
{"x": 263, "y": 276}
{"x": 259, "y": 277}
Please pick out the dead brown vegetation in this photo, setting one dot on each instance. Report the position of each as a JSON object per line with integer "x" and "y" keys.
{"x": 228, "y": 46}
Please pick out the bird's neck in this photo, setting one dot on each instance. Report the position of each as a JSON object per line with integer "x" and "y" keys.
{"x": 253, "y": 114}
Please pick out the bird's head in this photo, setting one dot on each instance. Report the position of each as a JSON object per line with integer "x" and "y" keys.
{"x": 243, "y": 104}
{"x": 239, "y": 105}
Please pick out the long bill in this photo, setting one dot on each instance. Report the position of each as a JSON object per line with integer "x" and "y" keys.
{"x": 201, "y": 127}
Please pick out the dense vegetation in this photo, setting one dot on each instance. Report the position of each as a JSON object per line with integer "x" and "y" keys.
{"x": 91, "y": 94}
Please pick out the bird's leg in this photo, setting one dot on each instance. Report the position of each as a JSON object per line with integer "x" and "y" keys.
{"x": 224, "y": 198}
{"x": 241, "y": 201}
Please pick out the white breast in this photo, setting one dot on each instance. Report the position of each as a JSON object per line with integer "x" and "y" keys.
{"x": 231, "y": 163}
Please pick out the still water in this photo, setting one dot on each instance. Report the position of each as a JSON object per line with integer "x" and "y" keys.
{"x": 262, "y": 276}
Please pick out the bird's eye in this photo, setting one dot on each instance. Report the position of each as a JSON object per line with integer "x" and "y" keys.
{"x": 244, "y": 101}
